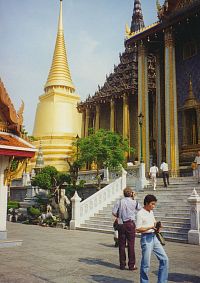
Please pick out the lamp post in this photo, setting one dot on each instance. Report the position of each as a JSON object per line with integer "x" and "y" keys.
{"x": 140, "y": 117}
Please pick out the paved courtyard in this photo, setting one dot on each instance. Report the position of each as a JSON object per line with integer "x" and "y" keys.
{"x": 62, "y": 256}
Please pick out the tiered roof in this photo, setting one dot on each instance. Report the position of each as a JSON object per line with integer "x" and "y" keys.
{"x": 11, "y": 144}
{"x": 124, "y": 78}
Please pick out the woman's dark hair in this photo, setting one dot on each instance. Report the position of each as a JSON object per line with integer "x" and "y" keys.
{"x": 149, "y": 198}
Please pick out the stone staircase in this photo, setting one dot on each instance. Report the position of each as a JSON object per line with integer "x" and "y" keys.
{"x": 172, "y": 209}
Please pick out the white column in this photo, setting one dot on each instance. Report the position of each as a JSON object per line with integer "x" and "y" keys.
{"x": 194, "y": 233}
{"x": 141, "y": 181}
{"x": 4, "y": 161}
{"x": 75, "y": 211}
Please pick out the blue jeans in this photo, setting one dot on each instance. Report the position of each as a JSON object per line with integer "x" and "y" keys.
{"x": 149, "y": 243}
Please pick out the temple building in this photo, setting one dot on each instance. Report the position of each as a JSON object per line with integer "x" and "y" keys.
{"x": 157, "y": 79}
{"x": 13, "y": 147}
{"x": 57, "y": 121}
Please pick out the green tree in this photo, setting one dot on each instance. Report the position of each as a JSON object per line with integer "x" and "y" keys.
{"x": 43, "y": 181}
{"x": 105, "y": 148}
{"x": 49, "y": 177}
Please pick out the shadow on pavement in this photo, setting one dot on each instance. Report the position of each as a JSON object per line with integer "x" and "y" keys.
{"x": 107, "y": 245}
{"x": 108, "y": 279}
{"x": 97, "y": 261}
{"x": 179, "y": 277}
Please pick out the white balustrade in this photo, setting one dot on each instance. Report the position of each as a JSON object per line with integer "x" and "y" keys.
{"x": 82, "y": 211}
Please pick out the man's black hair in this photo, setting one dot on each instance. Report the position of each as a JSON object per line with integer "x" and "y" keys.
{"x": 149, "y": 198}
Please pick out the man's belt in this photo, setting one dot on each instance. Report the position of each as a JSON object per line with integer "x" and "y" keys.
{"x": 128, "y": 221}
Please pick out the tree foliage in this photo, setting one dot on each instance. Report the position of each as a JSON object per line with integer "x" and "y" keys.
{"x": 49, "y": 177}
{"x": 105, "y": 148}
{"x": 43, "y": 181}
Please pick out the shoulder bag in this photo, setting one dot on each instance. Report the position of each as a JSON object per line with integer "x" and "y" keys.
{"x": 116, "y": 224}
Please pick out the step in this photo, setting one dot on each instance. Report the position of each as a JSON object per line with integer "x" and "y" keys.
{"x": 110, "y": 231}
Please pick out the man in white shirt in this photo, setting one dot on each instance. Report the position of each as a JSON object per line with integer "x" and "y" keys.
{"x": 153, "y": 173}
{"x": 197, "y": 161}
{"x": 165, "y": 173}
{"x": 149, "y": 243}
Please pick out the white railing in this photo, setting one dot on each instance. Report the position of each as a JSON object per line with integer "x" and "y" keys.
{"x": 82, "y": 211}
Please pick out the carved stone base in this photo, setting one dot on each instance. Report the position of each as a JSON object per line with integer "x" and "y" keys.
{"x": 72, "y": 225}
{"x": 3, "y": 235}
{"x": 194, "y": 237}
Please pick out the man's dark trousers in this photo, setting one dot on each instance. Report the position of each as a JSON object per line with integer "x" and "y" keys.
{"x": 165, "y": 177}
{"x": 127, "y": 234}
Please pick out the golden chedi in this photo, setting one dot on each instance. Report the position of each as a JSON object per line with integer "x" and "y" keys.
{"x": 57, "y": 121}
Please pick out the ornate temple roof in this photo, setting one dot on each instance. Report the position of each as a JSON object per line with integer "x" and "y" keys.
{"x": 10, "y": 120}
{"x": 172, "y": 7}
{"x": 170, "y": 13}
{"x": 13, "y": 145}
{"x": 124, "y": 78}
{"x": 59, "y": 74}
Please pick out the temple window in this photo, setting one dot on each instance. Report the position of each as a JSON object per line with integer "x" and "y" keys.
{"x": 189, "y": 50}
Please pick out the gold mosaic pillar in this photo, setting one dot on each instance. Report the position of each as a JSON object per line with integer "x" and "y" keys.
{"x": 143, "y": 102}
{"x": 184, "y": 133}
{"x": 87, "y": 118}
{"x": 83, "y": 124}
{"x": 171, "y": 124}
{"x": 112, "y": 115}
{"x": 198, "y": 124}
{"x": 158, "y": 112}
{"x": 97, "y": 118}
{"x": 125, "y": 117}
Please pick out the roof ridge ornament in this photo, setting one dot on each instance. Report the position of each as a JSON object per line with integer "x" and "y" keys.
{"x": 137, "y": 22}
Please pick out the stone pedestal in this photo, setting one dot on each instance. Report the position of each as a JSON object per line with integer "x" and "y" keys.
{"x": 141, "y": 182}
{"x": 194, "y": 233}
{"x": 75, "y": 211}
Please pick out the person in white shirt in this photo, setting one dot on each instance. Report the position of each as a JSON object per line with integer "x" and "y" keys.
{"x": 153, "y": 174}
{"x": 145, "y": 225}
{"x": 165, "y": 173}
{"x": 197, "y": 161}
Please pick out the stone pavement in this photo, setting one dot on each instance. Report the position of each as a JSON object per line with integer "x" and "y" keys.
{"x": 56, "y": 255}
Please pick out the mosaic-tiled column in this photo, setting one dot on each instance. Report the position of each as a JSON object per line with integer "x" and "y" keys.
{"x": 198, "y": 124}
{"x": 97, "y": 118}
{"x": 171, "y": 124}
{"x": 125, "y": 117}
{"x": 158, "y": 112}
{"x": 112, "y": 115}
{"x": 83, "y": 124}
{"x": 143, "y": 102}
{"x": 87, "y": 118}
{"x": 184, "y": 133}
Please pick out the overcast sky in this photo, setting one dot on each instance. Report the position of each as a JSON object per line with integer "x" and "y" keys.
{"x": 94, "y": 36}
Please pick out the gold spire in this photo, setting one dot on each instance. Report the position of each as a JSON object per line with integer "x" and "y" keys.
{"x": 59, "y": 74}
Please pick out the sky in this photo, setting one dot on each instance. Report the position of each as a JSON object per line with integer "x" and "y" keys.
{"x": 94, "y": 36}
